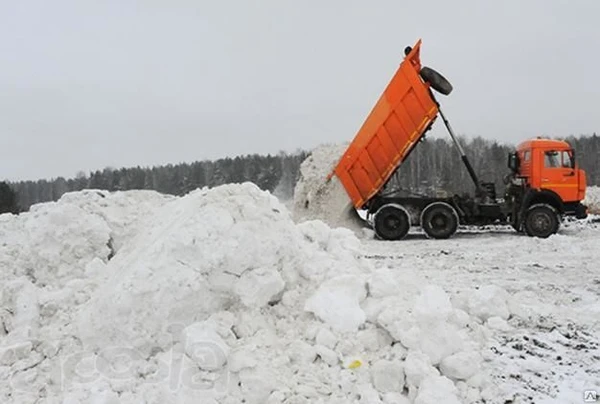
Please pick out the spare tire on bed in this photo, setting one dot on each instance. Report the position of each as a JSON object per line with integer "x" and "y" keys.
{"x": 436, "y": 80}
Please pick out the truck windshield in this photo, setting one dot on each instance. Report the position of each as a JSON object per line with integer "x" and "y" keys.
{"x": 552, "y": 159}
{"x": 558, "y": 159}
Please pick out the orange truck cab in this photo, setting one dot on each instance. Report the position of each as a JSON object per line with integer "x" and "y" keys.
{"x": 545, "y": 171}
{"x": 550, "y": 165}
{"x": 544, "y": 184}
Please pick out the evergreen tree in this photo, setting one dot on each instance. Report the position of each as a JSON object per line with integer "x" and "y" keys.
{"x": 8, "y": 199}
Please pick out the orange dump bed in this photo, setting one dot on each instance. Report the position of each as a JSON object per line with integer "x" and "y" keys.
{"x": 396, "y": 123}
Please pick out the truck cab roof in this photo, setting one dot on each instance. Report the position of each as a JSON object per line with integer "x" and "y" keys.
{"x": 543, "y": 143}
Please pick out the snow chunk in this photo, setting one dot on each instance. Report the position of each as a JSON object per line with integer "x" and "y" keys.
{"x": 497, "y": 323}
{"x": 301, "y": 352}
{"x": 460, "y": 318}
{"x": 62, "y": 239}
{"x": 387, "y": 376}
{"x": 327, "y": 355}
{"x": 395, "y": 398}
{"x": 257, "y": 385}
{"x": 123, "y": 211}
{"x": 383, "y": 283}
{"x": 258, "y": 287}
{"x": 19, "y": 307}
{"x": 106, "y": 397}
{"x": 438, "y": 342}
{"x": 337, "y": 301}
{"x": 241, "y": 358}
{"x": 461, "y": 365}
{"x": 489, "y": 301}
{"x": 204, "y": 346}
{"x": 432, "y": 305}
{"x": 427, "y": 328}
{"x": 326, "y": 338}
{"x": 13, "y": 353}
{"x": 437, "y": 389}
{"x": 368, "y": 395}
{"x": 374, "y": 339}
{"x": 417, "y": 367}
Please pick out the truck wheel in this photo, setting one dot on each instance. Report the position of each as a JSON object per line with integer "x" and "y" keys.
{"x": 436, "y": 80}
{"x": 439, "y": 220}
{"x": 391, "y": 222}
{"x": 541, "y": 221}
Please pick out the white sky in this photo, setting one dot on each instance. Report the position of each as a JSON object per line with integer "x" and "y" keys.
{"x": 90, "y": 84}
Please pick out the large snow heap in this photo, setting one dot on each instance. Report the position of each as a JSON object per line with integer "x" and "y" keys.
{"x": 219, "y": 297}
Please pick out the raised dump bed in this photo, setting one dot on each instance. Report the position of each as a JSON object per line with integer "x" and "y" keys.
{"x": 401, "y": 116}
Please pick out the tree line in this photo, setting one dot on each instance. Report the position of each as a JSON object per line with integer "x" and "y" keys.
{"x": 275, "y": 173}
{"x": 433, "y": 165}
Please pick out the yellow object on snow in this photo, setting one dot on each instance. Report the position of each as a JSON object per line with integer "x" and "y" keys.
{"x": 354, "y": 364}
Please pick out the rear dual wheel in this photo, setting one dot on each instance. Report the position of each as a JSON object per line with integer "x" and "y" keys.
{"x": 391, "y": 222}
{"x": 439, "y": 220}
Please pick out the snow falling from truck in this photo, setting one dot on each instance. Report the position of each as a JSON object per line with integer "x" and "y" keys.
{"x": 219, "y": 296}
{"x": 316, "y": 198}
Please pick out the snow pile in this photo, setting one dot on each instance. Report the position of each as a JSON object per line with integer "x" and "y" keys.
{"x": 444, "y": 346}
{"x": 337, "y": 303}
{"x": 592, "y": 199}
{"x": 209, "y": 251}
{"x": 316, "y": 198}
{"x": 123, "y": 212}
{"x": 219, "y": 297}
{"x": 50, "y": 246}
{"x": 53, "y": 242}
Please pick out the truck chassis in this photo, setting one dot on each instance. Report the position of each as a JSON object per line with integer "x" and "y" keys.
{"x": 537, "y": 212}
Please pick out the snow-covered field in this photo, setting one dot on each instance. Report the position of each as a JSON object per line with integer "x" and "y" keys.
{"x": 548, "y": 347}
{"x": 219, "y": 297}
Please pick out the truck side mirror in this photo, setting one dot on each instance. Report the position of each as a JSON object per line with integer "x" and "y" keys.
{"x": 513, "y": 162}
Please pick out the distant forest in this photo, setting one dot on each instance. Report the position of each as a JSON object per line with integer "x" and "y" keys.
{"x": 275, "y": 173}
{"x": 434, "y": 164}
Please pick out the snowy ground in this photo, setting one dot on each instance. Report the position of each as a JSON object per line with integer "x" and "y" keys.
{"x": 219, "y": 297}
{"x": 548, "y": 350}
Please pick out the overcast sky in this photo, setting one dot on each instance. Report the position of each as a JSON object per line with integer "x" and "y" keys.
{"x": 90, "y": 84}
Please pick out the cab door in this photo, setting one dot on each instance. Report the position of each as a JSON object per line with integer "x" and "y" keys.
{"x": 525, "y": 164}
{"x": 559, "y": 174}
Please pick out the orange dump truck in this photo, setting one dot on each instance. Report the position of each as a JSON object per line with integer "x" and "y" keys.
{"x": 543, "y": 186}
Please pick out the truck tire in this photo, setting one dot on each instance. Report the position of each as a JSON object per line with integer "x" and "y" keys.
{"x": 439, "y": 220}
{"x": 436, "y": 80}
{"x": 391, "y": 222}
{"x": 541, "y": 221}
